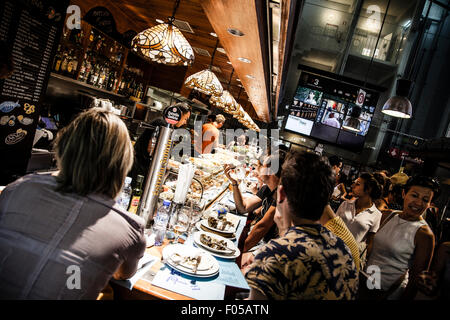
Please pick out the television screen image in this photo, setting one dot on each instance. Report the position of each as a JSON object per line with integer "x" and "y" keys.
{"x": 332, "y": 119}
{"x": 309, "y": 96}
{"x": 49, "y": 123}
{"x": 299, "y": 125}
{"x": 364, "y": 127}
{"x": 333, "y": 105}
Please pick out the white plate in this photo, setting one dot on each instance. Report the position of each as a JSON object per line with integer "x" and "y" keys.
{"x": 199, "y": 224}
{"x": 215, "y": 252}
{"x": 208, "y": 266}
{"x": 204, "y": 223}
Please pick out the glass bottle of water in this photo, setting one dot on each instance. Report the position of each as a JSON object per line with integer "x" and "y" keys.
{"x": 160, "y": 223}
{"x": 125, "y": 194}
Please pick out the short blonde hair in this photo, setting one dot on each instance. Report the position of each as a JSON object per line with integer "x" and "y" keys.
{"x": 94, "y": 154}
{"x": 220, "y": 118}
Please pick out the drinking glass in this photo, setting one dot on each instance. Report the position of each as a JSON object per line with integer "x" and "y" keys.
{"x": 182, "y": 224}
{"x": 196, "y": 215}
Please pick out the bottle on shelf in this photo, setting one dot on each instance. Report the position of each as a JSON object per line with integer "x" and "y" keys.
{"x": 64, "y": 63}
{"x": 125, "y": 195}
{"x": 70, "y": 63}
{"x": 101, "y": 78}
{"x": 111, "y": 80}
{"x": 95, "y": 75}
{"x": 84, "y": 69}
{"x": 160, "y": 223}
{"x": 136, "y": 196}
{"x": 58, "y": 60}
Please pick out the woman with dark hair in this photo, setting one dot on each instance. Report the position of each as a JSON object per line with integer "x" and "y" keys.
{"x": 361, "y": 215}
{"x": 403, "y": 247}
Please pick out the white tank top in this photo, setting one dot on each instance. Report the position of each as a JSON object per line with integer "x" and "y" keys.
{"x": 393, "y": 249}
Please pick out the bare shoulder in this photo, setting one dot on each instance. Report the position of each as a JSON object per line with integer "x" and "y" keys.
{"x": 424, "y": 235}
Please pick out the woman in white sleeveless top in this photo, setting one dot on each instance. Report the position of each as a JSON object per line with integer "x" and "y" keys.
{"x": 403, "y": 247}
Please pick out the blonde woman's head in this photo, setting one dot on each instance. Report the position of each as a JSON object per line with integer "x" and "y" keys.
{"x": 94, "y": 154}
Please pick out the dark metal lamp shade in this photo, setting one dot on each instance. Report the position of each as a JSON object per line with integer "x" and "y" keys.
{"x": 399, "y": 107}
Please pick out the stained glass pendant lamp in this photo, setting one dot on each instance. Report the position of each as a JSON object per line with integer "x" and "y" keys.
{"x": 205, "y": 81}
{"x": 164, "y": 43}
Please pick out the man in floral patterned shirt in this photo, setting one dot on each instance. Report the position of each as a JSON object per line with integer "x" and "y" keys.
{"x": 308, "y": 261}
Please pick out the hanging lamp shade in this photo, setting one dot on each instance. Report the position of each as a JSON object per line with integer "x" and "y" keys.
{"x": 240, "y": 112}
{"x": 206, "y": 82}
{"x": 399, "y": 107}
{"x": 352, "y": 124}
{"x": 223, "y": 101}
{"x": 164, "y": 43}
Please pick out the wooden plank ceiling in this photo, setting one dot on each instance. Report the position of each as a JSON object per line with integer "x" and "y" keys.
{"x": 138, "y": 15}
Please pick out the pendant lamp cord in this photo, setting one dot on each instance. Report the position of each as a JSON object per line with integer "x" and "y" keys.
{"x": 376, "y": 44}
{"x": 231, "y": 76}
{"x": 172, "y": 18}
{"x": 214, "y": 52}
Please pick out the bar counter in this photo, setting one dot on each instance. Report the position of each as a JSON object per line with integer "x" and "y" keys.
{"x": 143, "y": 289}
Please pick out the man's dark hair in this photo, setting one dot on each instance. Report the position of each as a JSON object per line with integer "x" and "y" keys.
{"x": 370, "y": 183}
{"x": 426, "y": 182}
{"x": 211, "y": 118}
{"x": 334, "y": 161}
{"x": 308, "y": 182}
{"x": 382, "y": 181}
{"x": 184, "y": 107}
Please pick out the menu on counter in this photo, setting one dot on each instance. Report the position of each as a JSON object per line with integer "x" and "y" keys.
{"x": 31, "y": 30}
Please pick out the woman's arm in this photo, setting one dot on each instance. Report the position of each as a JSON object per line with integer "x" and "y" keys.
{"x": 243, "y": 205}
{"x": 260, "y": 229}
{"x": 423, "y": 253}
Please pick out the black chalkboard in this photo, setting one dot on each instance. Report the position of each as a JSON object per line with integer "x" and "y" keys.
{"x": 102, "y": 19}
{"x": 31, "y": 30}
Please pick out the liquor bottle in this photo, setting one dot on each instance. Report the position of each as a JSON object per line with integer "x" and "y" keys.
{"x": 70, "y": 63}
{"x": 84, "y": 68}
{"x": 64, "y": 63}
{"x": 136, "y": 195}
{"x": 116, "y": 80}
{"x": 111, "y": 79}
{"x": 58, "y": 60}
{"x": 141, "y": 91}
{"x": 101, "y": 78}
{"x": 95, "y": 75}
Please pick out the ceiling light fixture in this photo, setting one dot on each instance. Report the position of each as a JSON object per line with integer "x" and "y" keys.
{"x": 235, "y": 32}
{"x": 205, "y": 81}
{"x": 250, "y": 76}
{"x": 213, "y": 34}
{"x": 245, "y": 60}
{"x": 164, "y": 43}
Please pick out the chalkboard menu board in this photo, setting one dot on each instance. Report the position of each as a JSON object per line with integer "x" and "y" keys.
{"x": 31, "y": 30}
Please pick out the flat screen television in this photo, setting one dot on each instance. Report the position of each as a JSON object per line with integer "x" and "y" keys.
{"x": 331, "y": 111}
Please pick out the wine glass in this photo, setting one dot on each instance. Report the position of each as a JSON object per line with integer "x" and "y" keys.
{"x": 182, "y": 224}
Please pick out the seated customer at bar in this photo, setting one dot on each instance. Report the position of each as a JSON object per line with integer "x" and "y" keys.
{"x": 64, "y": 237}
{"x": 308, "y": 261}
